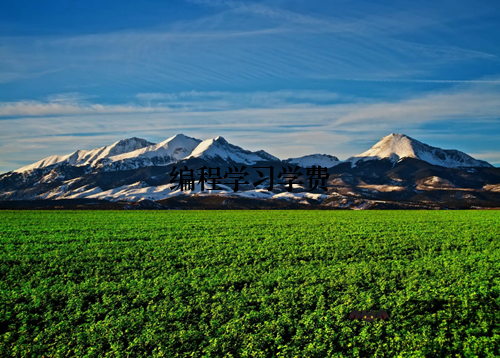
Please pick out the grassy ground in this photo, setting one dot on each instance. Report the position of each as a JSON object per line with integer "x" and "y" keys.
{"x": 249, "y": 283}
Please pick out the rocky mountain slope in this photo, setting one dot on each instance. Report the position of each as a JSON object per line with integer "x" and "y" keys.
{"x": 397, "y": 172}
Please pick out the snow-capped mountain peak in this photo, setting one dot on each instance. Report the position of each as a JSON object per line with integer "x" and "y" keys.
{"x": 127, "y": 145}
{"x": 134, "y": 169}
{"x": 219, "y": 139}
{"x": 396, "y": 146}
{"x": 322, "y": 160}
{"x": 166, "y": 152}
{"x": 392, "y": 146}
{"x": 175, "y": 148}
{"x": 219, "y": 147}
{"x": 89, "y": 157}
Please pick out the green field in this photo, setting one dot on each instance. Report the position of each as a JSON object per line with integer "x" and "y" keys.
{"x": 249, "y": 283}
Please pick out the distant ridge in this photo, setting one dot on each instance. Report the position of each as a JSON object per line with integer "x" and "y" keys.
{"x": 397, "y": 172}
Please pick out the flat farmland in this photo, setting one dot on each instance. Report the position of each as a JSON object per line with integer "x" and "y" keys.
{"x": 249, "y": 283}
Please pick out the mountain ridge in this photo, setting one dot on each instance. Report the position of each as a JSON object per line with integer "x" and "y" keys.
{"x": 87, "y": 157}
{"x": 397, "y": 172}
{"x": 131, "y": 153}
{"x": 219, "y": 147}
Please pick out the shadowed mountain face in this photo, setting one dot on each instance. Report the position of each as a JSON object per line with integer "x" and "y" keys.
{"x": 398, "y": 172}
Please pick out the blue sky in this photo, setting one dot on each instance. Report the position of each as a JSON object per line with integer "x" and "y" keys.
{"x": 292, "y": 77}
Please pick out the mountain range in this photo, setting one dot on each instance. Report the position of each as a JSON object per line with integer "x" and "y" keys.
{"x": 397, "y": 172}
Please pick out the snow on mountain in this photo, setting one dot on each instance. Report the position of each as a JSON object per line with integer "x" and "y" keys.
{"x": 396, "y": 146}
{"x": 82, "y": 192}
{"x": 220, "y": 148}
{"x": 140, "y": 191}
{"x": 177, "y": 147}
{"x": 88, "y": 157}
{"x": 322, "y": 160}
{"x": 62, "y": 179}
{"x": 170, "y": 150}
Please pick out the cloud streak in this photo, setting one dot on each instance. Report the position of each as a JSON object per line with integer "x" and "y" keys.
{"x": 40, "y": 109}
{"x": 477, "y": 100}
{"x": 76, "y": 104}
{"x": 464, "y": 103}
{"x": 491, "y": 156}
{"x": 246, "y": 43}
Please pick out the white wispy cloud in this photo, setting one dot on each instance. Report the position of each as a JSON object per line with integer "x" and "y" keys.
{"x": 56, "y": 108}
{"x": 246, "y": 43}
{"x": 472, "y": 102}
{"x": 464, "y": 101}
{"x": 264, "y": 10}
{"x": 490, "y": 156}
{"x": 72, "y": 104}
